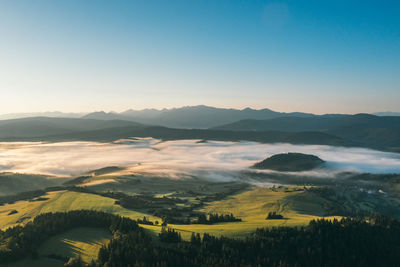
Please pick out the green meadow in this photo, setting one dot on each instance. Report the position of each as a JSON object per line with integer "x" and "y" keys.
{"x": 252, "y": 206}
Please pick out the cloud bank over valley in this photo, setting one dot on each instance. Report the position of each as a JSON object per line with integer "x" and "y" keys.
{"x": 185, "y": 158}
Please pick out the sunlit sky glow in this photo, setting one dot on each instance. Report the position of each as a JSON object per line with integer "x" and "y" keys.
{"x": 311, "y": 56}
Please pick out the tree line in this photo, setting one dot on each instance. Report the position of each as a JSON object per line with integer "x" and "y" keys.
{"x": 211, "y": 218}
{"x": 373, "y": 241}
{"x": 348, "y": 242}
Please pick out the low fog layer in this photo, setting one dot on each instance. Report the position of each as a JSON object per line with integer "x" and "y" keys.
{"x": 214, "y": 160}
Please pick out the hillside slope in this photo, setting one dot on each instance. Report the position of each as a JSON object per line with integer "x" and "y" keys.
{"x": 376, "y": 131}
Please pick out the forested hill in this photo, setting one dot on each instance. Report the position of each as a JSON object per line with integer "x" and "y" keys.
{"x": 348, "y": 242}
{"x": 291, "y": 162}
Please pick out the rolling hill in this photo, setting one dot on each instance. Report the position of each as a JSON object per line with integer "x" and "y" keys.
{"x": 13, "y": 183}
{"x": 291, "y": 162}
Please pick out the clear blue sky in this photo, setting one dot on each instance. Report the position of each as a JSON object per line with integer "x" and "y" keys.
{"x": 313, "y": 56}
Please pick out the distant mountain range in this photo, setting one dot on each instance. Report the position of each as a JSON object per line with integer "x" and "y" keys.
{"x": 52, "y": 114}
{"x": 380, "y": 132}
{"x": 199, "y": 117}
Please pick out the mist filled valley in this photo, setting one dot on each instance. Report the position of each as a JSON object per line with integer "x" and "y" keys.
{"x": 199, "y": 133}
{"x": 212, "y": 160}
{"x": 181, "y": 186}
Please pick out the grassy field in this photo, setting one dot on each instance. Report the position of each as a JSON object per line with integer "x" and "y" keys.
{"x": 252, "y": 207}
{"x": 63, "y": 201}
{"x": 80, "y": 241}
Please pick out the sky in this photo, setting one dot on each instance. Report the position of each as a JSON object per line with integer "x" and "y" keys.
{"x": 310, "y": 56}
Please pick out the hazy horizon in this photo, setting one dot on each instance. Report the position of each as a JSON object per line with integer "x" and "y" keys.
{"x": 82, "y": 113}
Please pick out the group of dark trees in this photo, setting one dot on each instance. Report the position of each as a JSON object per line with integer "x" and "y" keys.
{"x": 169, "y": 235}
{"x": 272, "y": 215}
{"x": 145, "y": 221}
{"x": 215, "y": 218}
{"x": 171, "y": 216}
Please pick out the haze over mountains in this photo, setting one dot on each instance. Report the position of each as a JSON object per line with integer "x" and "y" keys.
{"x": 199, "y": 117}
{"x": 387, "y": 113}
{"x": 51, "y": 114}
{"x": 209, "y": 123}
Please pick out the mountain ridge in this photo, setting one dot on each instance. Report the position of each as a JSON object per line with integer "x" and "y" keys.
{"x": 152, "y": 114}
{"x": 200, "y": 116}
{"x": 364, "y": 130}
